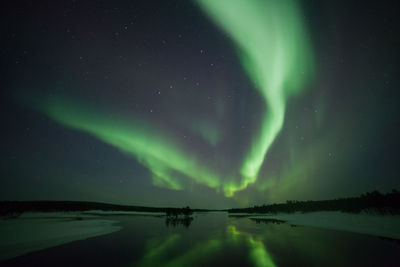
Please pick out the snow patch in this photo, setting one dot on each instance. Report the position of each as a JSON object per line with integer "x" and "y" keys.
{"x": 36, "y": 231}
{"x": 377, "y": 225}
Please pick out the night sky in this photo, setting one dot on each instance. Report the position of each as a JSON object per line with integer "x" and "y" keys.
{"x": 207, "y": 103}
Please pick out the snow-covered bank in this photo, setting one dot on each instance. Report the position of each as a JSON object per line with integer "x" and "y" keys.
{"x": 37, "y": 231}
{"x": 383, "y": 226}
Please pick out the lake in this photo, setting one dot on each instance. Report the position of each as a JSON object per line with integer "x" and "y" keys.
{"x": 215, "y": 239}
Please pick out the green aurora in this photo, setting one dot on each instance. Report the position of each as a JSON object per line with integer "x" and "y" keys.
{"x": 273, "y": 48}
{"x": 162, "y": 155}
{"x": 275, "y": 52}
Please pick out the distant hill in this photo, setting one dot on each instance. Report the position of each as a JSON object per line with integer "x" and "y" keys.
{"x": 372, "y": 202}
{"x": 13, "y": 208}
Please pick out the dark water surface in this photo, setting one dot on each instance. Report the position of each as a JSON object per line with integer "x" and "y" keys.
{"x": 214, "y": 239}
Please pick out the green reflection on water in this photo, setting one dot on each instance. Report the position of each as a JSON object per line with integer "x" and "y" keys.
{"x": 258, "y": 254}
{"x": 200, "y": 251}
{"x": 157, "y": 251}
{"x": 160, "y": 252}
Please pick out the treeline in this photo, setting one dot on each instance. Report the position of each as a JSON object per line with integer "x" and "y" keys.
{"x": 372, "y": 202}
{"x": 174, "y": 212}
{"x": 14, "y": 208}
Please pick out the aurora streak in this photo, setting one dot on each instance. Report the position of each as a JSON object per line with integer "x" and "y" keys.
{"x": 274, "y": 50}
{"x": 161, "y": 155}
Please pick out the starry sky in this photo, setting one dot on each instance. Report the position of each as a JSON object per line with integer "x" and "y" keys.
{"x": 212, "y": 104}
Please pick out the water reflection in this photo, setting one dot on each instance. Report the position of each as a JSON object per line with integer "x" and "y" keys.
{"x": 267, "y": 221}
{"x": 258, "y": 254}
{"x": 163, "y": 251}
{"x": 214, "y": 239}
{"x": 178, "y": 221}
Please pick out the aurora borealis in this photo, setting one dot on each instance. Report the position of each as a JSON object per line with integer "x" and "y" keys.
{"x": 278, "y": 65}
{"x": 156, "y": 152}
{"x": 275, "y": 52}
{"x": 212, "y": 104}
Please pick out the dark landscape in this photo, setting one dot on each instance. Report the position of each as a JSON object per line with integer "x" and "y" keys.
{"x": 200, "y": 133}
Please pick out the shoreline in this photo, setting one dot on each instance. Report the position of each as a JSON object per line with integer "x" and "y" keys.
{"x": 377, "y": 225}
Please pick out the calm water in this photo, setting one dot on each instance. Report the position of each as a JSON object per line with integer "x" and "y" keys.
{"x": 217, "y": 240}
